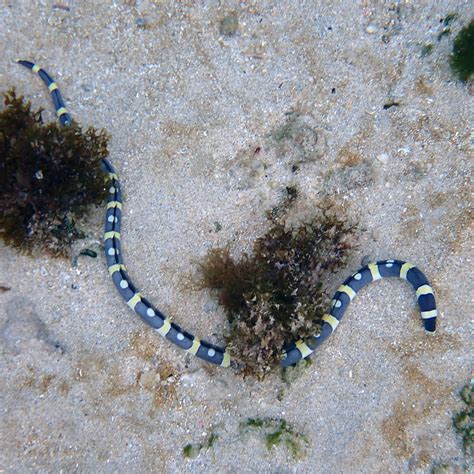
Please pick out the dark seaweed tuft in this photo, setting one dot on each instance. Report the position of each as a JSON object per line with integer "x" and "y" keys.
{"x": 277, "y": 295}
{"x": 462, "y": 57}
{"x": 49, "y": 177}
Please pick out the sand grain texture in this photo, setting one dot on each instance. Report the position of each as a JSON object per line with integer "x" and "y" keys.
{"x": 211, "y": 106}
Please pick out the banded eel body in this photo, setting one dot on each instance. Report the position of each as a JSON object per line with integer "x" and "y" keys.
{"x": 133, "y": 298}
{"x": 347, "y": 292}
{"x": 61, "y": 111}
{"x": 210, "y": 352}
{"x": 152, "y": 316}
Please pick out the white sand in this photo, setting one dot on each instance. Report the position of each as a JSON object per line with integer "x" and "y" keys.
{"x": 85, "y": 386}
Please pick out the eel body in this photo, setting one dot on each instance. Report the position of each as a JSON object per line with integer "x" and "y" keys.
{"x": 205, "y": 350}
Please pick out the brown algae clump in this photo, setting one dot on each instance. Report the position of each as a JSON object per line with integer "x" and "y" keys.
{"x": 49, "y": 176}
{"x": 277, "y": 295}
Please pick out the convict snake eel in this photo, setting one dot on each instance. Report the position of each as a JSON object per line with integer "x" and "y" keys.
{"x": 205, "y": 350}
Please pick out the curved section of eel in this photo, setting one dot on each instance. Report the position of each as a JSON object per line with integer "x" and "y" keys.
{"x": 347, "y": 292}
{"x": 210, "y": 352}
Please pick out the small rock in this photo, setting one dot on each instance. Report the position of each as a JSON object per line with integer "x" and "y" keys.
{"x": 383, "y": 158}
{"x": 372, "y": 29}
{"x": 43, "y": 271}
{"x": 189, "y": 380}
{"x": 141, "y": 22}
{"x": 365, "y": 260}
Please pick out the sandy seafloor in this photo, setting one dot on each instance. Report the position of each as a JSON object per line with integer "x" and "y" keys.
{"x": 195, "y": 119}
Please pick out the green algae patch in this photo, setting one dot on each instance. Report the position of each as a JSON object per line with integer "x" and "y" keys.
{"x": 462, "y": 57}
{"x": 293, "y": 372}
{"x": 444, "y": 32}
{"x": 449, "y": 18}
{"x": 229, "y": 25}
{"x": 49, "y": 178}
{"x": 286, "y": 131}
{"x": 463, "y": 421}
{"x": 427, "y": 50}
{"x": 191, "y": 450}
{"x": 278, "y": 294}
{"x": 276, "y": 432}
